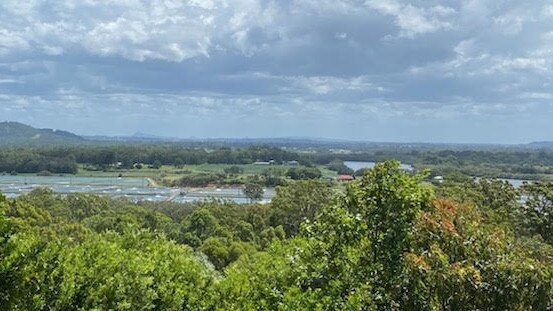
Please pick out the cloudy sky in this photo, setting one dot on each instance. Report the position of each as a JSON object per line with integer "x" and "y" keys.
{"x": 379, "y": 70}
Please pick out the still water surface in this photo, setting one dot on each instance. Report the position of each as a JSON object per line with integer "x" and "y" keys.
{"x": 357, "y": 165}
{"x": 135, "y": 189}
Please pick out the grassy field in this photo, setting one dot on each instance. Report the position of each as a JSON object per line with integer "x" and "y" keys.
{"x": 144, "y": 172}
{"x": 169, "y": 173}
{"x": 249, "y": 169}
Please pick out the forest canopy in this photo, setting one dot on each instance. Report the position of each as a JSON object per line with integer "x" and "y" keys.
{"x": 390, "y": 241}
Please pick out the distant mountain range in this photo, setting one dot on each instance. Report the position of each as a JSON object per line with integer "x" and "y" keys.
{"x": 18, "y": 134}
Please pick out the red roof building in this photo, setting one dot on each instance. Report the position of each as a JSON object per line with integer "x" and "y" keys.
{"x": 345, "y": 178}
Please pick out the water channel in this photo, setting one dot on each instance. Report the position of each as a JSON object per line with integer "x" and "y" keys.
{"x": 135, "y": 189}
{"x": 356, "y": 165}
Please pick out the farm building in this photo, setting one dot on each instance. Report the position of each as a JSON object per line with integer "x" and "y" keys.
{"x": 345, "y": 178}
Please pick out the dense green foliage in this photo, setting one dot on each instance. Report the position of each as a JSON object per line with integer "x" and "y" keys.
{"x": 175, "y": 155}
{"x": 271, "y": 176}
{"x": 65, "y": 159}
{"x": 32, "y": 161}
{"x": 485, "y": 162}
{"x": 390, "y": 241}
{"x": 298, "y": 173}
{"x": 254, "y": 192}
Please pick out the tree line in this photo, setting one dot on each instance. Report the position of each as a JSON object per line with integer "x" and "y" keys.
{"x": 34, "y": 161}
{"x": 66, "y": 159}
{"x": 521, "y": 164}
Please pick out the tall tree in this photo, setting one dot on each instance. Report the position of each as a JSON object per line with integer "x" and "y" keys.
{"x": 253, "y": 191}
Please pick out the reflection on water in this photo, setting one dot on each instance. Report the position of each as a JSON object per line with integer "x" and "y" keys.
{"x": 73, "y": 180}
{"x": 134, "y": 189}
{"x": 515, "y": 182}
{"x": 357, "y": 165}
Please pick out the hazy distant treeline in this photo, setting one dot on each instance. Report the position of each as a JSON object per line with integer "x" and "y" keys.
{"x": 492, "y": 163}
{"x": 35, "y": 161}
{"x": 65, "y": 160}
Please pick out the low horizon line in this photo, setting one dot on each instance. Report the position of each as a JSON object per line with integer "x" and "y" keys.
{"x": 153, "y": 137}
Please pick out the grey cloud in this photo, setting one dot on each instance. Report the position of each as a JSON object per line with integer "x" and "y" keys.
{"x": 378, "y": 66}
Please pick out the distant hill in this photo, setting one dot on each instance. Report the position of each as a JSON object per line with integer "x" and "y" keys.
{"x": 541, "y": 144}
{"x": 18, "y": 134}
